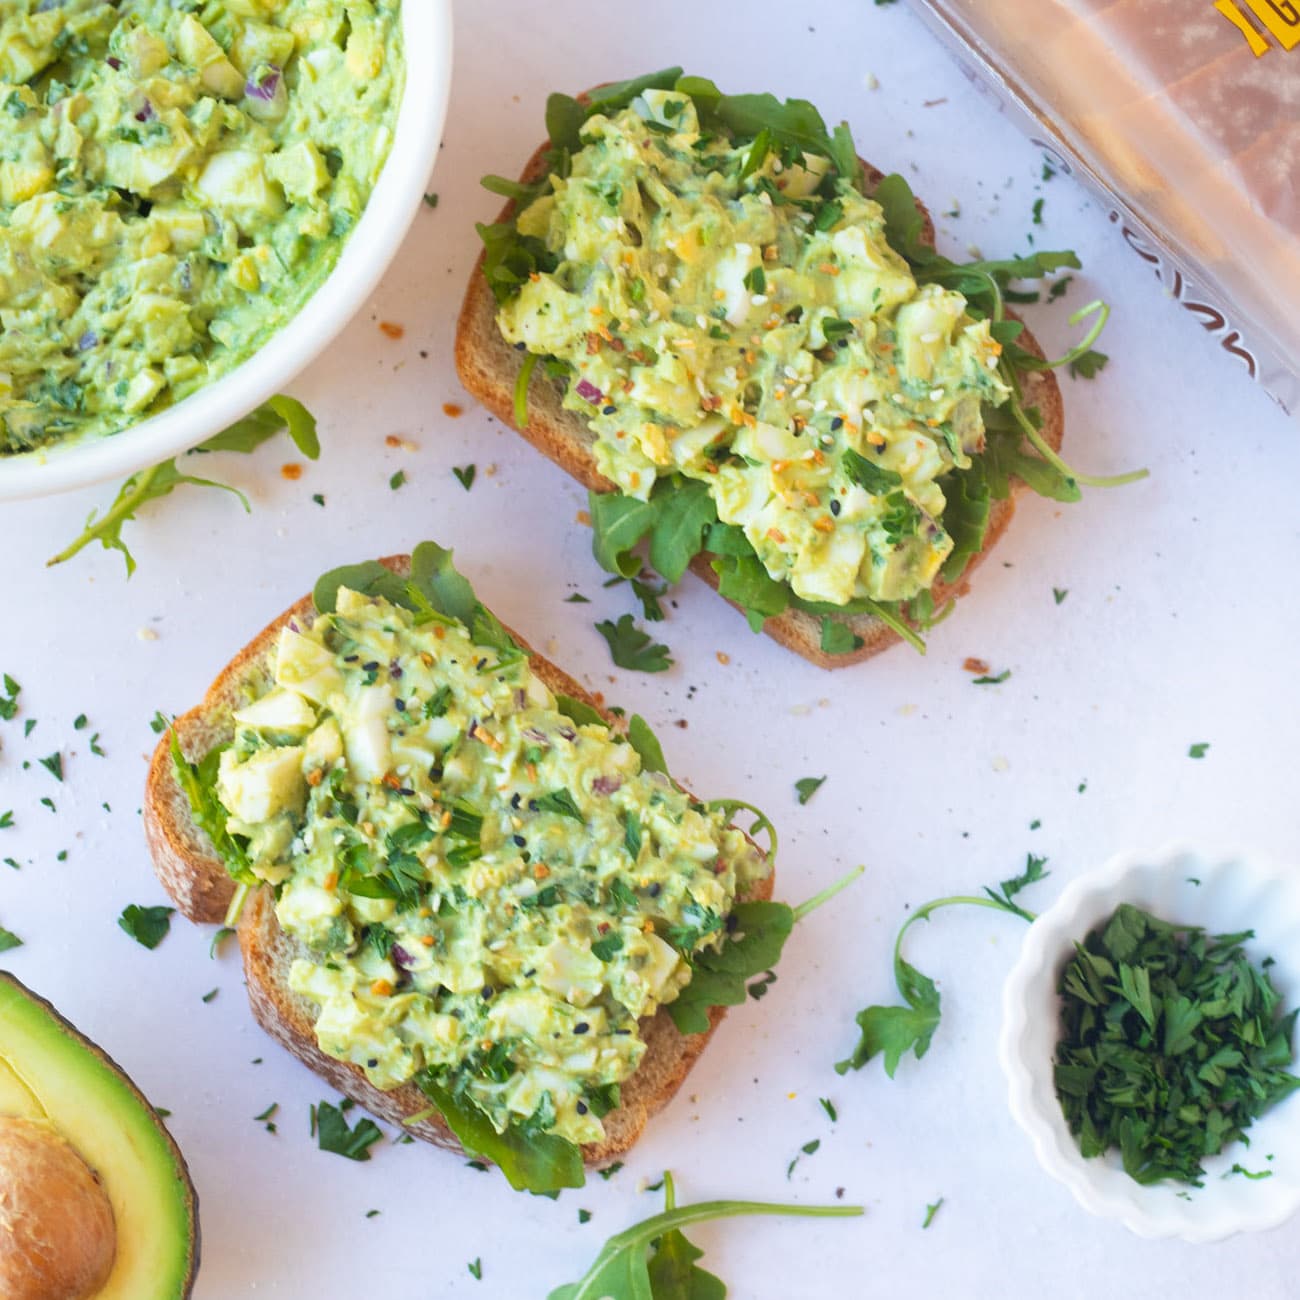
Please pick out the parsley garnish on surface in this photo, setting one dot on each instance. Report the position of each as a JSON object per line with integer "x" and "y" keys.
{"x": 8, "y": 939}
{"x": 989, "y": 680}
{"x": 465, "y": 475}
{"x": 653, "y": 1260}
{"x": 146, "y": 925}
{"x": 892, "y": 1031}
{"x": 333, "y": 1134}
{"x": 9, "y": 700}
{"x": 397, "y": 480}
{"x": 632, "y": 648}
{"x": 1198, "y": 750}
{"x": 1172, "y": 1042}
{"x": 53, "y": 764}
{"x": 931, "y": 1211}
{"x": 808, "y": 786}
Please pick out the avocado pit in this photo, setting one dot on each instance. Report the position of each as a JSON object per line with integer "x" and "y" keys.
{"x": 57, "y": 1233}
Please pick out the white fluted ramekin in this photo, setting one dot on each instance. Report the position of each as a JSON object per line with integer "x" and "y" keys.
{"x": 1235, "y": 892}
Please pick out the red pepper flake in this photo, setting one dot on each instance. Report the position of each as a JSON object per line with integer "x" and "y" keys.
{"x": 593, "y": 342}
{"x": 973, "y": 665}
{"x": 451, "y": 410}
{"x": 391, "y": 329}
{"x": 292, "y": 472}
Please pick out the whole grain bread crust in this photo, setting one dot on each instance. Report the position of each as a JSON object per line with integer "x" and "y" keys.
{"x": 196, "y": 880}
{"x": 489, "y": 368}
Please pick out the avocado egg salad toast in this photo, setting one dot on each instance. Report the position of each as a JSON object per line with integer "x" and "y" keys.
{"x": 466, "y": 896}
{"x": 763, "y": 370}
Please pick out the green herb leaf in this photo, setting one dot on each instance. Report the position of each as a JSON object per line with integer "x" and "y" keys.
{"x": 53, "y": 764}
{"x": 333, "y": 1134}
{"x": 1198, "y": 750}
{"x": 632, "y": 648}
{"x": 808, "y": 786}
{"x": 561, "y": 803}
{"x": 465, "y": 475}
{"x": 224, "y": 933}
{"x": 642, "y": 738}
{"x": 580, "y": 711}
{"x": 753, "y": 945}
{"x": 1172, "y": 1043}
{"x": 618, "y": 523}
{"x": 152, "y": 484}
{"x": 1088, "y": 365}
{"x": 931, "y": 1211}
{"x": 146, "y": 925}
{"x": 986, "y": 680}
{"x": 838, "y": 638}
{"x": 536, "y": 1162}
{"x": 8, "y": 939}
{"x": 892, "y": 1031}
{"x": 198, "y": 782}
{"x": 398, "y": 480}
{"x": 652, "y": 1260}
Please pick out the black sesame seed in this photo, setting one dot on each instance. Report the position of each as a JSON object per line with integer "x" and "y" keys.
{"x": 514, "y": 800}
{"x": 732, "y": 922}
{"x": 479, "y": 666}
{"x": 532, "y": 805}
{"x": 405, "y": 791}
{"x": 371, "y": 666}
{"x": 581, "y": 1027}
{"x": 350, "y": 659}
{"x": 655, "y": 890}
{"x": 609, "y": 410}
{"x": 581, "y": 1108}
{"x": 520, "y": 841}
{"x": 835, "y": 506}
{"x": 372, "y": 1063}
{"x": 837, "y": 423}
{"x": 520, "y": 347}
{"x": 487, "y": 991}
{"x": 400, "y": 705}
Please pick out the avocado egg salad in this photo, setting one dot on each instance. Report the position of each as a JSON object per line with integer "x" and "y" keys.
{"x": 176, "y": 178}
{"x": 775, "y": 369}
{"x": 490, "y": 886}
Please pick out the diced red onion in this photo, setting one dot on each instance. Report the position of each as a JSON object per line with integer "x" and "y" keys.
{"x": 401, "y": 958}
{"x": 587, "y": 390}
{"x": 606, "y": 784}
{"x": 145, "y": 112}
{"x": 263, "y": 82}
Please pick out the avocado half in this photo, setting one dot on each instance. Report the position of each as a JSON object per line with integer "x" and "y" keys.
{"x": 55, "y": 1076}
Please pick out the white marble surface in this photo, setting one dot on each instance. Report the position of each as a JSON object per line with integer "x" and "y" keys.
{"x": 1176, "y": 629}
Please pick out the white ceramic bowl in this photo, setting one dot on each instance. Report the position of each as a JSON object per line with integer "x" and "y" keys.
{"x": 426, "y": 34}
{"x": 1235, "y": 893}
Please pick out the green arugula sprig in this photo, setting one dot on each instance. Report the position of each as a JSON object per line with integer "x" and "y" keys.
{"x": 158, "y": 481}
{"x": 679, "y": 521}
{"x": 892, "y": 1031}
{"x": 653, "y": 1260}
{"x": 1172, "y": 1043}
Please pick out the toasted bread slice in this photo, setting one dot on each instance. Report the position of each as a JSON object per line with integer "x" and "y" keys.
{"x": 489, "y": 367}
{"x": 197, "y": 881}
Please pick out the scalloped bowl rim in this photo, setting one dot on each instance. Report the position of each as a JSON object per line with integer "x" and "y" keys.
{"x": 1099, "y": 1184}
{"x": 389, "y": 212}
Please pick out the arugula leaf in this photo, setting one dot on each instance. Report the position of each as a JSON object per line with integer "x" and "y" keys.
{"x": 892, "y": 1031}
{"x": 868, "y": 475}
{"x": 618, "y": 523}
{"x": 632, "y": 648}
{"x": 148, "y": 926}
{"x": 333, "y": 1134}
{"x": 683, "y": 513}
{"x": 652, "y": 1260}
{"x": 756, "y": 936}
{"x": 435, "y": 590}
{"x": 152, "y": 484}
{"x": 198, "y": 782}
{"x": 643, "y": 739}
{"x": 542, "y": 1163}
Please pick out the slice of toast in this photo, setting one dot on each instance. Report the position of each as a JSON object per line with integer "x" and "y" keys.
{"x": 197, "y": 881}
{"x": 488, "y": 367}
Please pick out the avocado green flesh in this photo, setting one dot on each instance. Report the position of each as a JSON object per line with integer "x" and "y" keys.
{"x": 50, "y": 1072}
{"x": 175, "y": 180}
{"x": 749, "y": 330}
{"x": 513, "y": 956}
